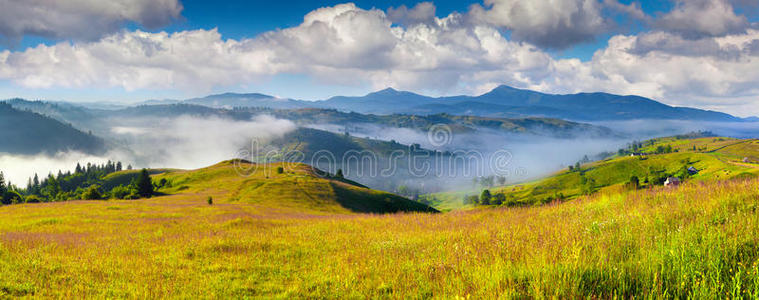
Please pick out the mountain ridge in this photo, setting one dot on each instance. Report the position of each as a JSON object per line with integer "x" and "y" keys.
{"x": 501, "y": 101}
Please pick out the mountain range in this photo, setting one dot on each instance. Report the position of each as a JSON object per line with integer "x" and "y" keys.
{"x": 503, "y": 101}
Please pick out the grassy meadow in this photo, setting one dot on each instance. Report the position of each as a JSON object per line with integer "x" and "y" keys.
{"x": 697, "y": 240}
{"x": 715, "y": 158}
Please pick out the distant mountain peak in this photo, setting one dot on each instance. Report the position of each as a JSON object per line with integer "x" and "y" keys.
{"x": 241, "y": 95}
{"x": 504, "y": 89}
{"x": 387, "y": 91}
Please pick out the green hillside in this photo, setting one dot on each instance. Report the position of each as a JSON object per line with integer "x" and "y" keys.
{"x": 715, "y": 158}
{"x": 309, "y": 141}
{"x": 26, "y": 132}
{"x": 125, "y": 177}
{"x": 298, "y": 186}
{"x": 458, "y": 124}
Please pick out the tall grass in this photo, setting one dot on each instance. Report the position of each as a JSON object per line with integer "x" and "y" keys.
{"x": 698, "y": 240}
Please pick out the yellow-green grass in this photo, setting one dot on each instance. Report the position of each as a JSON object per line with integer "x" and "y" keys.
{"x": 703, "y": 144}
{"x": 125, "y": 177}
{"x": 698, "y": 240}
{"x": 744, "y": 149}
{"x": 298, "y": 186}
{"x": 718, "y": 159}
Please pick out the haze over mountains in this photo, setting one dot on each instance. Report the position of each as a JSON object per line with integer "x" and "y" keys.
{"x": 503, "y": 101}
{"x": 195, "y": 132}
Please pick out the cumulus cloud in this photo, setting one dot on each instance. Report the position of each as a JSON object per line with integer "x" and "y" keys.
{"x": 423, "y": 12}
{"x": 195, "y": 60}
{"x": 633, "y": 9}
{"x": 447, "y": 55}
{"x": 81, "y": 19}
{"x": 703, "y": 18}
{"x": 331, "y": 44}
{"x": 546, "y": 23}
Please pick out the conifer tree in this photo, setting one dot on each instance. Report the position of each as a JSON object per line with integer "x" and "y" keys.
{"x": 144, "y": 184}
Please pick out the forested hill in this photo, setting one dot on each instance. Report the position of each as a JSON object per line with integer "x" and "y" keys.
{"x": 25, "y": 132}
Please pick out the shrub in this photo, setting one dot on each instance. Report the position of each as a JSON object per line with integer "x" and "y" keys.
{"x": 33, "y": 199}
{"x": 210, "y": 200}
{"x": 499, "y": 199}
{"x": 120, "y": 192}
{"x": 634, "y": 182}
{"x": 92, "y": 193}
{"x": 471, "y": 199}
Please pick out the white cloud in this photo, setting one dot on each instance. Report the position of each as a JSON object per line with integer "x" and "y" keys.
{"x": 422, "y": 12}
{"x": 703, "y": 18}
{"x": 195, "y": 60}
{"x": 81, "y": 19}
{"x": 446, "y": 55}
{"x": 546, "y": 23}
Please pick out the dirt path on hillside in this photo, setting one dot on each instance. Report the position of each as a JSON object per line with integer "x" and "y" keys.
{"x": 743, "y": 164}
{"x": 730, "y": 145}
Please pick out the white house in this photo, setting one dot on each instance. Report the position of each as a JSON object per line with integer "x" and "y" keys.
{"x": 672, "y": 181}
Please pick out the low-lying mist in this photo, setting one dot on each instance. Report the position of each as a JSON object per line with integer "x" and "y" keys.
{"x": 188, "y": 142}
{"x": 183, "y": 142}
{"x": 18, "y": 169}
{"x": 517, "y": 157}
{"x": 645, "y": 129}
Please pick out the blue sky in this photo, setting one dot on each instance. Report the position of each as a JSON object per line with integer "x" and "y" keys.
{"x": 238, "y": 19}
{"x": 536, "y": 49}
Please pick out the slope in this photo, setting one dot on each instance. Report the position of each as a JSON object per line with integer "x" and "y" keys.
{"x": 298, "y": 186}
{"x": 696, "y": 241}
{"x": 26, "y": 132}
{"x": 715, "y": 158}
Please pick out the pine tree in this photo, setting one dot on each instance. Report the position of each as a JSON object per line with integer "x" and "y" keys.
{"x": 144, "y": 184}
{"x": 3, "y": 188}
{"x": 36, "y": 182}
{"x": 485, "y": 197}
{"x": 118, "y": 166}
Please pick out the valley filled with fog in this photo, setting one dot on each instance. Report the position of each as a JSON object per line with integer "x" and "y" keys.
{"x": 457, "y": 153}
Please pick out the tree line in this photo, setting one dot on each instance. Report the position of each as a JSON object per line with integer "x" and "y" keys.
{"x": 86, "y": 182}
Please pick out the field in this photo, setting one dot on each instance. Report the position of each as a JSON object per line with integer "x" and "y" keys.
{"x": 697, "y": 240}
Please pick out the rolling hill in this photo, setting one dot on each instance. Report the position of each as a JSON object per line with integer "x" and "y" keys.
{"x": 26, "y": 132}
{"x": 457, "y": 123}
{"x": 715, "y": 159}
{"x": 299, "y": 186}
